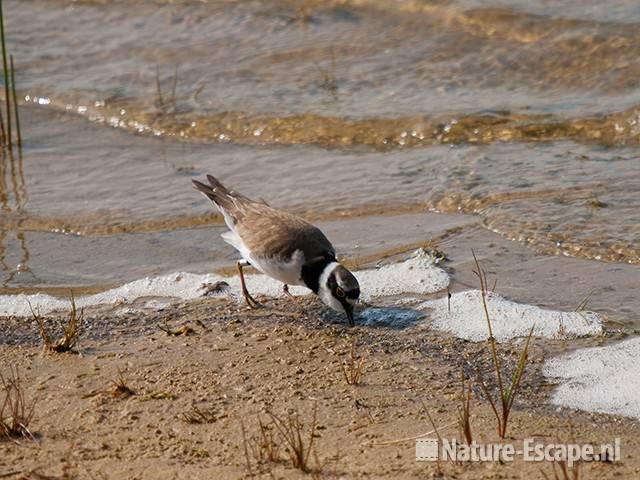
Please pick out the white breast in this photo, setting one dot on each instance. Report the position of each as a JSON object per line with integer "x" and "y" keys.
{"x": 286, "y": 272}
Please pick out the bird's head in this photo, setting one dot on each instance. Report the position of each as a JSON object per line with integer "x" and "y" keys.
{"x": 339, "y": 289}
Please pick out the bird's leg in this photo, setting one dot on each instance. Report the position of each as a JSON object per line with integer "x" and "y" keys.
{"x": 285, "y": 289}
{"x": 247, "y": 296}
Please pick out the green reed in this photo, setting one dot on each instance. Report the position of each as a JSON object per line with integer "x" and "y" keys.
{"x": 2, "y": 133}
{"x": 10, "y": 95}
{"x": 6, "y": 78}
{"x": 15, "y": 100}
{"x": 506, "y": 391}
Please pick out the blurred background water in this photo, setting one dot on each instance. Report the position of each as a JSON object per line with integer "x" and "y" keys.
{"x": 524, "y": 113}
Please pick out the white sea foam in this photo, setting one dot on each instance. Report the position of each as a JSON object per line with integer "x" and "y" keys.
{"x": 416, "y": 275}
{"x": 600, "y": 379}
{"x": 508, "y": 319}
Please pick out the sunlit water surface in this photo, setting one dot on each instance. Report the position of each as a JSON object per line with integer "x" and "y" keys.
{"x": 524, "y": 113}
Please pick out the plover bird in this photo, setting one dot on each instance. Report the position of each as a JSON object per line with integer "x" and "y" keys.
{"x": 283, "y": 246}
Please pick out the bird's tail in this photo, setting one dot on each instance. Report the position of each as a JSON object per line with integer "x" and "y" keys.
{"x": 227, "y": 201}
{"x": 217, "y": 193}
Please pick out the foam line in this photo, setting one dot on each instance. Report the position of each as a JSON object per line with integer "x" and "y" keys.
{"x": 508, "y": 319}
{"x": 416, "y": 275}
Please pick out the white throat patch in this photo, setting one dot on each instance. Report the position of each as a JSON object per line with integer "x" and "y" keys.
{"x": 323, "y": 291}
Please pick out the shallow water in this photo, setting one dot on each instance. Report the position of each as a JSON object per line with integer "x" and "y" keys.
{"x": 523, "y": 113}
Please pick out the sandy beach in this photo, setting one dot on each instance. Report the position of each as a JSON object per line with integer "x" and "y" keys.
{"x": 238, "y": 366}
{"x": 243, "y": 366}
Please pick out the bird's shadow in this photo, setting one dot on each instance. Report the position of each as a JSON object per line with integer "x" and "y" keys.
{"x": 397, "y": 318}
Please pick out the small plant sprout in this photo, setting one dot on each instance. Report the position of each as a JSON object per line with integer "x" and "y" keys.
{"x": 353, "y": 367}
{"x": 15, "y": 411}
{"x": 120, "y": 388}
{"x": 507, "y": 393}
{"x": 69, "y": 338}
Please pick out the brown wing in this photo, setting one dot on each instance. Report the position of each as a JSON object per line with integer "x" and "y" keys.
{"x": 268, "y": 232}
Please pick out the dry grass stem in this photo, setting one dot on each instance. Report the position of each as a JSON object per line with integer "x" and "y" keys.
{"x": 15, "y": 411}
{"x": 199, "y": 416}
{"x": 246, "y": 449}
{"x": 594, "y": 201}
{"x": 583, "y": 304}
{"x": 266, "y": 447}
{"x": 328, "y": 75}
{"x": 166, "y": 105}
{"x": 7, "y": 81}
{"x": 435, "y": 430}
{"x": 464, "y": 411}
{"x": 409, "y": 439}
{"x": 562, "y": 471}
{"x": 10, "y": 95}
{"x": 182, "y": 330}
{"x": 353, "y": 367}
{"x": 118, "y": 388}
{"x": 69, "y": 338}
{"x": 291, "y": 430}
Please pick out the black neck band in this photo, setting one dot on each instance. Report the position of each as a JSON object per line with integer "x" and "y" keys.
{"x": 312, "y": 271}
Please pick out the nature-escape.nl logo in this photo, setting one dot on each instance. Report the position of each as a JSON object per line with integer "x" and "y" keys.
{"x": 531, "y": 450}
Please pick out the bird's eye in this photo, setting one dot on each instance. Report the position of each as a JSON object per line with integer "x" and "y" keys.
{"x": 340, "y": 293}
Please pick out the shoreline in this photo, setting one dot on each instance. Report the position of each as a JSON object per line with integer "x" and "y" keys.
{"x": 522, "y": 274}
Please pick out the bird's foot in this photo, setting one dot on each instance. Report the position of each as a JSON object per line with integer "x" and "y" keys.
{"x": 252, "y": 302}
{"x": 285, "y": 289}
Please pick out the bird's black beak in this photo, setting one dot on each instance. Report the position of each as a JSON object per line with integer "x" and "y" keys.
{"x": 348, "y": 309}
